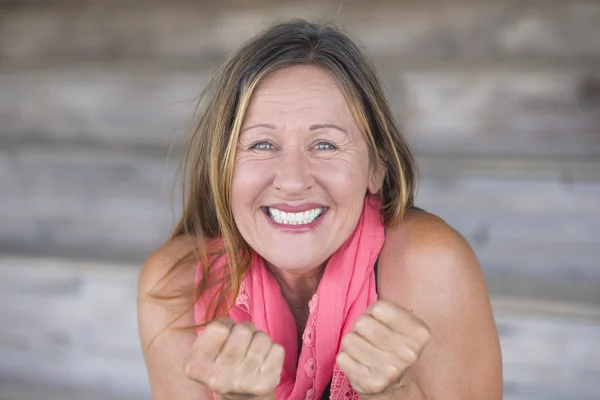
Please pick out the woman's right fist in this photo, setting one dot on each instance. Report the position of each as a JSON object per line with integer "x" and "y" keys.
{"x": 236, "y": 360}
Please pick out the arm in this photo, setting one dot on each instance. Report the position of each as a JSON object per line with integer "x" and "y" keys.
{"x": 165, "y": 356}
{"x": 429, "y": 269}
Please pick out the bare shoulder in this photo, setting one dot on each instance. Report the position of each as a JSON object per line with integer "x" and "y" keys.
{"x": 160, "y": 263}
{"x": 428, "y": 268}
{"x": 166, "y": 319}
{"x": 424, "y": 250}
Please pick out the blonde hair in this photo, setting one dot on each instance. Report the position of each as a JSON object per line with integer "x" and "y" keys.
{"x": 208, "y": 162}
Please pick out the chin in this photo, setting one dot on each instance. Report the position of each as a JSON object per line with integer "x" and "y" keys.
{"x": 294, "y": 260}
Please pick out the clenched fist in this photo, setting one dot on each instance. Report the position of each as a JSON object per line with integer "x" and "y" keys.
{"x": 385, "y": 342}
{"x": 236, "y": 361}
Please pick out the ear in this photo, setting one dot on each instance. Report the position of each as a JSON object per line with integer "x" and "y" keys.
{"x": 376, "y": 177}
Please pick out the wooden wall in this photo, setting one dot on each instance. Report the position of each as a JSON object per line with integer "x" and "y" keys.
{"x": 501, "y": 100}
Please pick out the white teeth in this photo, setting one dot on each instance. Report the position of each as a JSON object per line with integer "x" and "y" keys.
{"x": 301, "y": 218}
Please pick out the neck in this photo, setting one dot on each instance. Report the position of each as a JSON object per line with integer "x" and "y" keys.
{"x": 298, "y": 287}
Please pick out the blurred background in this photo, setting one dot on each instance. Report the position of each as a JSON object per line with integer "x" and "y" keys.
{"x": 500, "y": 99}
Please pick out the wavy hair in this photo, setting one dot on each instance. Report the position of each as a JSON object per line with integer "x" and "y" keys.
{"x": 208, "y": 162}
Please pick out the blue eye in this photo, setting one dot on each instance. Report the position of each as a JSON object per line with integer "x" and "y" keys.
{"x": 262, "y": 146}
{"x": 325, "y": 146}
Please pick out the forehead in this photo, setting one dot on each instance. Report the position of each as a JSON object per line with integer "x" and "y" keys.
{"x": 299, "y": 90}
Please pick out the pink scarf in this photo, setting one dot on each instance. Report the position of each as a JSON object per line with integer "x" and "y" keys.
{"x": 345, "y": 291}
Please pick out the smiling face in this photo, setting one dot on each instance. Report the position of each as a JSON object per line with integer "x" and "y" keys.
{"x": 302, "y": 169}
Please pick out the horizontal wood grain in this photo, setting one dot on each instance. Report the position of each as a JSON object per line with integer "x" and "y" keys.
{"x": 188, "y": 31}
{"x": 500, "y": 99}
{"x": 69, "y": 328}
{"x": 120, "y": 206}
{"x": 495, "y": 111}
{"x": 71, "y": 324}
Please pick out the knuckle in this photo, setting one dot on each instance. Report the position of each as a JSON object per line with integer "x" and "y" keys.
{"x": 262, "y": 335}
{"x": 217, "y": 384}
{"x": 248, "y": 325}
{"x": 393, "y": 367}
{"x": 254, "y": 354}
{"x": 363, "y": 324}
{"x": 379, "y": 384}
{"x": 218, "y": 328}
{"x": 381, "y": 306}
{"x": 346, "y": 342}
{"x": 262, "y": 339}
{"x": 409, "y": 355}
{"x": 259, "y": 346}
{"x": 277, "y": 349}
{"x": 423, "y": 334}
{"x": 349, "y": 339}
{"x": 239, "y": 386}
{"x": 190, "y": 370}
{"x": 278, "y": 352}
{"x": 241, "y": 331}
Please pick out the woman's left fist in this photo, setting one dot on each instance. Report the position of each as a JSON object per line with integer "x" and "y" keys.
{"x": 386, "y": 341}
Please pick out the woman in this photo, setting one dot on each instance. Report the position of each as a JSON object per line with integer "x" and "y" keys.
{"x": 299, "y": 256}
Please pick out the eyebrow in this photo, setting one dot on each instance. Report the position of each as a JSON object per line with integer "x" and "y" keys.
{"x": 313, "y": 127}
{"x": 325, "y": 126}
{"x": 270, "y": 126}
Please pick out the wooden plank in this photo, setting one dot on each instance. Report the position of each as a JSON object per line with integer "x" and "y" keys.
{"x": 23, "y": 390}
{"x": 524, "y": 228}
{"x": 186, "y": 31}
{"x": 511, "y": 112}
{"x": 119, "y": 207}
{"x": 544, "y": 357}
{"x": 86, "y": 202}
{"x": 98, "y": 106}
{"x": 70, "y": 323}
{"x": 539, "y": 112}
{"x": 549, "y": 349}
{"x": 444, "y": 166}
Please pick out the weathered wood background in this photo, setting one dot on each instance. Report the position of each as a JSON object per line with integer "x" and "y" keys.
{"x": 501, "y": 100}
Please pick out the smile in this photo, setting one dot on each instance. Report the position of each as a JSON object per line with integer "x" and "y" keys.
{"x": 290, "y": 218}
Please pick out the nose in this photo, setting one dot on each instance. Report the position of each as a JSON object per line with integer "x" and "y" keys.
{"x": 292, "y": 176}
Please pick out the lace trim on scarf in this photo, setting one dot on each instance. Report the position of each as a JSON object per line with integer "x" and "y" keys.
{"x": 340, "y": 386}
{"x": 308, "y": 338}
{"x": 242, "y": 300}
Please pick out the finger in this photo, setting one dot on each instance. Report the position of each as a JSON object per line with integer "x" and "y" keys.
{"x": 273, "y": 363}
{"x": 259, "y": 378}
{"x": 257, "y": 352}
{"x": 376, "y": 333}
{"x": 400, "y": 320}
{"x": 235, "y": 347}
{"x": 362, "y": 351}
{"x": 354, "y": 370}
{"x": 249, "y": 325}
{"x": 213, "y": 338}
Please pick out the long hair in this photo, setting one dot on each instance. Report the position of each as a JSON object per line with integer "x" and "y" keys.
{"x": 208, "y": 162}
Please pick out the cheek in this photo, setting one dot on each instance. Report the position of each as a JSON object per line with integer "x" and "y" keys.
{"x": 248, "y": 181}
{"x": 344, "y": 177}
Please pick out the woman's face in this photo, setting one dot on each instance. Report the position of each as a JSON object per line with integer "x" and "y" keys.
{"x": 302, "y": 169}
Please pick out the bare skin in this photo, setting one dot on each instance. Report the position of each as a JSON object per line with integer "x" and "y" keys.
{"x": 431, "y": 335}
{"x": 433, "y": 274}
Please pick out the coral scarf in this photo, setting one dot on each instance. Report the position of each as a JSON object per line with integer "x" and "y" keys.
{"x": 345, "y": 291}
